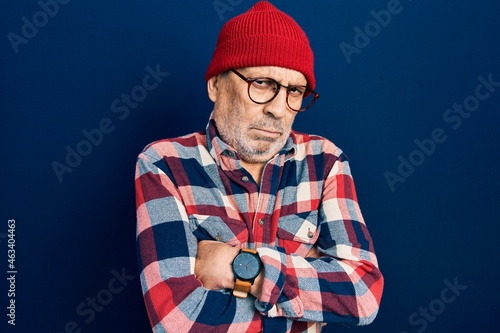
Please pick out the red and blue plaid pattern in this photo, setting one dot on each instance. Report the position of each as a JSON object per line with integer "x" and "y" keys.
{"x": 193, "y": 188}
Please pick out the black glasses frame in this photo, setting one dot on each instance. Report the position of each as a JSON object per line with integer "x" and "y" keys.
{"x": 249, "y": 81}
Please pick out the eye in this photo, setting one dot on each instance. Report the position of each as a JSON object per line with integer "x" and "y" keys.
{"x": 297, "y": 91}
{"x": 264, "y": 84}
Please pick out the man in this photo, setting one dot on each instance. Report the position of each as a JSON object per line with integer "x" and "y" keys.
{"x": 249, "y": 226}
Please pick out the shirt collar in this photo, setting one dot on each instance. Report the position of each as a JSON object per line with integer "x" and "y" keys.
{"x": 218, "y": 148}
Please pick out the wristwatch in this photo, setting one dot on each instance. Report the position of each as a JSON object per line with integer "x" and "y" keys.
{"x": 246, "y": 267}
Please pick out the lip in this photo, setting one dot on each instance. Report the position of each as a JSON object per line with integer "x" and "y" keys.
{"x": 268, "y": 132}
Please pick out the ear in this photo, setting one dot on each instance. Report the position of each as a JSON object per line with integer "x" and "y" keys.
{"x": 212, "y": 87}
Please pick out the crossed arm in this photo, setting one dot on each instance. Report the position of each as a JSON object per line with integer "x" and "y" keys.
{"x": 183, "y": 277}
{"x": 213, "y": 266}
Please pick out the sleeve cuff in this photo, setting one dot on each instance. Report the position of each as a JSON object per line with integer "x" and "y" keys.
{"x": 277, "y": 299}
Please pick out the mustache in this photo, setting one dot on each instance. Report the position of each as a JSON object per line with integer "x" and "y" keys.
{"x": 273, "y": 125}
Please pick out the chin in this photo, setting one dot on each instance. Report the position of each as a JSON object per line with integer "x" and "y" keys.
{"x": 258, "y": 156}
{"x": 259, "y": 150}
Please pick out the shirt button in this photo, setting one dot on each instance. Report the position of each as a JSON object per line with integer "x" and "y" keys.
{"x": 218, "y": 238}
{"x": 261, "y": 222}
{"x": 244, "y": 178}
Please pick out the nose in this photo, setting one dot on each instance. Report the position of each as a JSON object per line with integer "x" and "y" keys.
{"x": 278, "y": 107}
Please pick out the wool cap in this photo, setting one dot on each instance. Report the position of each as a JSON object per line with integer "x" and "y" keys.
{"x": 263, "y": 36}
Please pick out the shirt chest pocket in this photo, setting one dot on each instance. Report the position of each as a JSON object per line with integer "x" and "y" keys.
{"x": 298, "y": 233}
{"x": 207, "y": 227}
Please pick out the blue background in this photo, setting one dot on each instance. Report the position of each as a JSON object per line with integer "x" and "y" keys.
{"x": 440, "y": 224}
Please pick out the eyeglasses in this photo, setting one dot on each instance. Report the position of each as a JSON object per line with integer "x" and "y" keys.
{"x": 263, "y": 90}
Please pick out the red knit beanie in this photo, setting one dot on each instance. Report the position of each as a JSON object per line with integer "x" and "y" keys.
{"x": 263, "y": 36}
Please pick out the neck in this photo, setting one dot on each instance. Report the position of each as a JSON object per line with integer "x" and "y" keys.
{"x": 255, "y": 169}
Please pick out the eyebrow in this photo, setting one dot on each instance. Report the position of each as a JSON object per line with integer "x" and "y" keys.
{"x": 256, "y": 74}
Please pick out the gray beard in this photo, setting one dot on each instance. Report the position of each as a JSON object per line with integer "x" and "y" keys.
{"x": 253, "y": 154}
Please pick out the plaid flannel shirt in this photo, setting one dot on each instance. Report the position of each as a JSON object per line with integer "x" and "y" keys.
{"x": 193, "y": 188}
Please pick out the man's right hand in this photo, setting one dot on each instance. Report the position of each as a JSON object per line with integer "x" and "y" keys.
{"x": 213, "y": 265}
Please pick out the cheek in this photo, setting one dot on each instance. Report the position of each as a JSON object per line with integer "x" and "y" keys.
{"x": 247, "y": 114}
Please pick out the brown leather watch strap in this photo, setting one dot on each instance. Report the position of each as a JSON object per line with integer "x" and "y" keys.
{"x": 241, "y": 288}
{"x": 249, "y": 250}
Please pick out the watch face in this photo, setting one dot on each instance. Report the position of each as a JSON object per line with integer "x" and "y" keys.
{"x": 246, "y": 266}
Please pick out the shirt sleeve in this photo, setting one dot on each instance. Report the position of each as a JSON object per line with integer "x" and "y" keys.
{"x": 345, "y": 284}
{"x": 175, "y": 300}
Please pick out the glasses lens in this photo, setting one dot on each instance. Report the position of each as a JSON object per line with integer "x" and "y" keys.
{"x": 262, "y": 90}
{"x": 300, "y": 98}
